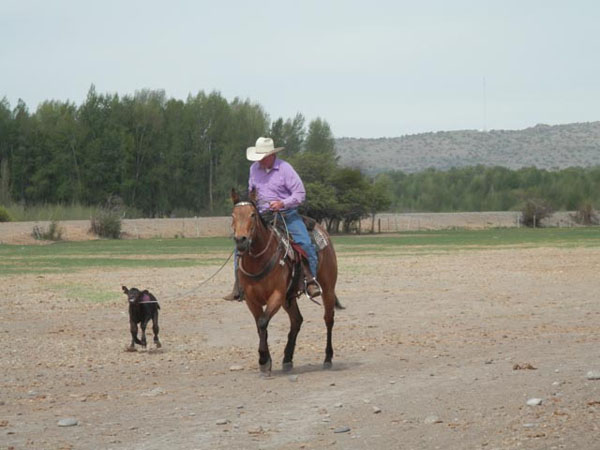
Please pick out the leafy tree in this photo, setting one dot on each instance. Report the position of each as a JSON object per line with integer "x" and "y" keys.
{"x": 144, "y": 118}
{"x": 247, "y": 121}
{"x": 6, "y": 145}
{"x": 311, "y": 167}
{"x": 320, "y": 139}
{"x": 101, "y": 155}
{"x": 379, "y": 197}
{"x": 23, "y": 160}
{"x": 321, "y": 202}
{"x": 352, "y": 194}
{"x": 56, "y": 177}
{"x": 289, "y": 134}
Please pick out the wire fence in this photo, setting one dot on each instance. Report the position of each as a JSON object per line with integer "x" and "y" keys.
{"x": 74, "y": 230}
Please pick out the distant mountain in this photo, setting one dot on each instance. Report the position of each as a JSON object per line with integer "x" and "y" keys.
{"x": 542, "y": 146}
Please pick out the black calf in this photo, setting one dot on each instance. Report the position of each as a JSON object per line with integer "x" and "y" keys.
{"x": 143, "y": 306}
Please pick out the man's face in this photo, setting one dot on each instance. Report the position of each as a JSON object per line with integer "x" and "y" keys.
{"x": 267, "y": 161}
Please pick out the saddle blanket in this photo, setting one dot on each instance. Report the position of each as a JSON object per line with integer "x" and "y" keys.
{"x": 319, "y": 239}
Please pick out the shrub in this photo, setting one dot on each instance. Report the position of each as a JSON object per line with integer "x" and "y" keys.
{"x": 106, "y": 222}
{"x": 53, "y": 233}
{"x": 585, "y": 215}
{"x": 5, "y": 215}
{"x": 534, "y": 211}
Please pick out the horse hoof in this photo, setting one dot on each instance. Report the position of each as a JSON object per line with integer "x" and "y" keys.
{"x": 266, "y": 367}
{"x": 327, "y": 365}
{"x": 287, "y": 366}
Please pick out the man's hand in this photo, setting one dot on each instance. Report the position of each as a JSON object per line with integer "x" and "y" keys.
{"x": 276, "y": 205}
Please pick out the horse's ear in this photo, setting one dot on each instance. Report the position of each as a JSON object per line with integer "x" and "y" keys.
{"x": 235, "y": 197}
{"x": 253, "y": 194}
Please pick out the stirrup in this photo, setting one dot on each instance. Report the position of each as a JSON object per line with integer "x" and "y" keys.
{"x": 312, "y": 299}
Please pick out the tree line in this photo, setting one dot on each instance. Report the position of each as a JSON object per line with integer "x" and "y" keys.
{"x": 157, "y": 154}
{"x": 163, "y": 157}
{"x": 482, "y": 188}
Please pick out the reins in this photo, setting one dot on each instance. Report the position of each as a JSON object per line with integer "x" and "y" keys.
{"x": 264, "y": 271}
{"x": 271, "y": 264}
{"x": 272, "y": 233}
{"x": 185, "y": 294}
{"x": 294, "y": 274}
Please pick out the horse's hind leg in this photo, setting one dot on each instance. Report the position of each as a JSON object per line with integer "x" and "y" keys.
{"x": 295, "y": 324}
{"x": 329, "y": 299}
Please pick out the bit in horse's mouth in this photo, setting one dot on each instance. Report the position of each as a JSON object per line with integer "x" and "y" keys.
{"x": 243, "y": 247}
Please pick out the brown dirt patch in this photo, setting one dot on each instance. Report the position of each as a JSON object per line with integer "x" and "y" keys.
{"x": 430, "y": 341}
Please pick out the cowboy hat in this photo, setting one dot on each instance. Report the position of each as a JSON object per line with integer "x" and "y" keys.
{"x": 264, "y": 147}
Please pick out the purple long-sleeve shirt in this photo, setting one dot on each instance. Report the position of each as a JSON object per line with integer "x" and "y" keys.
{"x": 281, "y": 182}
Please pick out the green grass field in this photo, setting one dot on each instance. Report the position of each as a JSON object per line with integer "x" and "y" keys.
{"x": 147, "y": 253}
{"x": 451, "y": 240}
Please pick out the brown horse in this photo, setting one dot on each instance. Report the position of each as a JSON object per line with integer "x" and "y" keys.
{"x": 269, "y": 280}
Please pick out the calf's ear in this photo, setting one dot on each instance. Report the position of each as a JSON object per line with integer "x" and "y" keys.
{"x": 125, "y": 289}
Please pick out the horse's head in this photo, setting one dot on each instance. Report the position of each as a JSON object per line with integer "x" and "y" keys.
{"x": 245, "y": 219}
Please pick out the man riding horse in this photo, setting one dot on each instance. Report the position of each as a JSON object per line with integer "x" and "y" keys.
{"x": 280, "y": 189}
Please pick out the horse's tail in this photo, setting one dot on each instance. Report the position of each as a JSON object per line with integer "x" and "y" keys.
{"x": 338, "y": 305}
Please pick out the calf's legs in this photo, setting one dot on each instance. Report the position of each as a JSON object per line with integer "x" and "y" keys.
{"x": 155, "y": 330}
{"x": 134, "y": 339}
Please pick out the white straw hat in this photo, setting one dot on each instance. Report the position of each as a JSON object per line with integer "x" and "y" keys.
{"x": 264, "y": 147}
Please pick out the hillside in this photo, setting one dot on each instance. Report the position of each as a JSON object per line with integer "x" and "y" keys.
{"x": 542, "y": 146}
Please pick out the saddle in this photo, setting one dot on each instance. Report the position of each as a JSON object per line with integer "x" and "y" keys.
{"x": 295, "y": 255}
{"x": 318, "y": 239}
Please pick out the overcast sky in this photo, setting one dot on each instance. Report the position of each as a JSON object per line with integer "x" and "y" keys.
{"x": 370, "y": 68}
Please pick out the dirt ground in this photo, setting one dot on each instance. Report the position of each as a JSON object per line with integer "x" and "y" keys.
{"x": 435, "y": 350}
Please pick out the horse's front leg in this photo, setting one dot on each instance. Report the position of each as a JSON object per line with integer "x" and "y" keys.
{"x": 264, "y": 356}
{"x": 262, "y": 322}
{"x": 295, "y": 324}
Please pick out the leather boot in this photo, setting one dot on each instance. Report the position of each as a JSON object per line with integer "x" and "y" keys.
{"x": 312, "y": 287}
{"x": 236, "y": 293}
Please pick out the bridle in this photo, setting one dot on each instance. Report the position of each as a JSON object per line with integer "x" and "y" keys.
{"x": 269, "y": 266}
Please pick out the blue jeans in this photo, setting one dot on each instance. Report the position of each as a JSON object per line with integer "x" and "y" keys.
{"x": 297, "y": 229}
